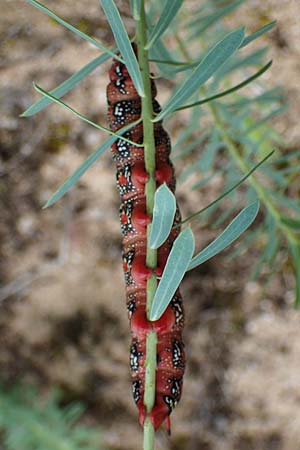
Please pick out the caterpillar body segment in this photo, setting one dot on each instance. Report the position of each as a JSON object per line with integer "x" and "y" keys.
{"x": 124, "y": 107}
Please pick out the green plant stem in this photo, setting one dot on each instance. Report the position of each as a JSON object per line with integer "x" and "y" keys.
{"x": 150, "y": 369}
{"x": 149, "y": 435}
{"x": 151, "y": 257}
{"x": 292, "y": 238}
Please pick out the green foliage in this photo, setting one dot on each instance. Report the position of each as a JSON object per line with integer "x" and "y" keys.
{"x": 70, "y": 27}
{"x": 231, "y": 189}
{"x": 66, "y": 86}
{"x": 85, "y": 119}
{"x": 181, "y": 257}
{"x": 123, "y": 43}
{"x": 177, "y": 264}
{"x": 239, "y": 224}
{"x": 228, "y": 91}
{"x": 240, "y": 117}
{"x": 72, "y": 179}
{"x": 212, "y": 61}
{"x": 29, "y": 422}
{"x": 258, "y": 33}
{"x": 202, "y": 22}
{"x": 167, "y": 15}
{"x": 163, "y": 216}
{"x": 235, "y": 104}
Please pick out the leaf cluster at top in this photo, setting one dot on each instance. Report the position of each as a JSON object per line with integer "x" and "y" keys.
{"x": 234, "y": 120}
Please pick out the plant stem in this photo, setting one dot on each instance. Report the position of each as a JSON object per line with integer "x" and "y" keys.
{"x": 150, "y": 370}
{"x": 151, "y": 257}
{"x": 149, "y": 435}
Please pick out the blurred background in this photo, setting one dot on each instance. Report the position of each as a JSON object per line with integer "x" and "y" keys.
{"x": 64, "y": 333}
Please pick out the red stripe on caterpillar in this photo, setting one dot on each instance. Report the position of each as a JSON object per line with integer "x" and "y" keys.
{"x": 124, "y": 107}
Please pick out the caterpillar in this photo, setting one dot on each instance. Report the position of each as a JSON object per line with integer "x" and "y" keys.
{"x": 124, "y": 107}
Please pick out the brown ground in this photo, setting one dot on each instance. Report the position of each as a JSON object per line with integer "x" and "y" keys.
{"x": 63, "y": 318}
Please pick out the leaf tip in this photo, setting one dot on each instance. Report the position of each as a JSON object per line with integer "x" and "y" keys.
{"x": 242, "y": 29}
{"x": 47, "y": 205}
{"x": 153, "y": 317}
{"x": 148, "y": 45}
{"x": 37, "y": 87}
{"x": 50, "y": 202}
{"x": 156, "y": 119}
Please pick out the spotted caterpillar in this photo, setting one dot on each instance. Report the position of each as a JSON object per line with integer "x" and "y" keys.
{"x": 124, "y": 107}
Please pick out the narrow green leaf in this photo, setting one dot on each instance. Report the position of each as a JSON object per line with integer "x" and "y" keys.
{"x": 66, "y": 86}
{"x": 72, "y": 179}
{"x": 239, "y": 224}
{"x": 188, "y": 148}
{"x": 288, "y": 156}
{"x": 160, "y": 52}
{"x": 214, "y": 59}
{"x": 169, "y": 62}
{"x": 258, "y": 33}
{"x": 167, "y": 15}
{"x": 186, "y": 135}
{"x": 177, "y": 263}
{"x": 82, "y": 117}
{"x": 203, "y": 23}
{"x": 289, "y": 170}
{"x": 222, "y": 218}
{"x": 292, "y": 223}
{"x": 276, "y": 176}
{"x": 202, "y": 183}
{"x": 208, "y": 153}
{"x": 198, "y": 12}
{"x": 263, "y": 120}
{"x": 236, "y": 63}
{"x": 177, "y": 66}
{"x": 70, "y": 27}
{"x": 229, "y": 91}
{"x": 273, "y": 95}
{"x": 268, "y": 253}
{"x": 273, "y": 244}
{"x": 123, "y": 43}
{"x": 285, "y": 201}
{"x": 251, "y": 236}
{"x": 244, "y": 178}
{"x": 163, "y": 216}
